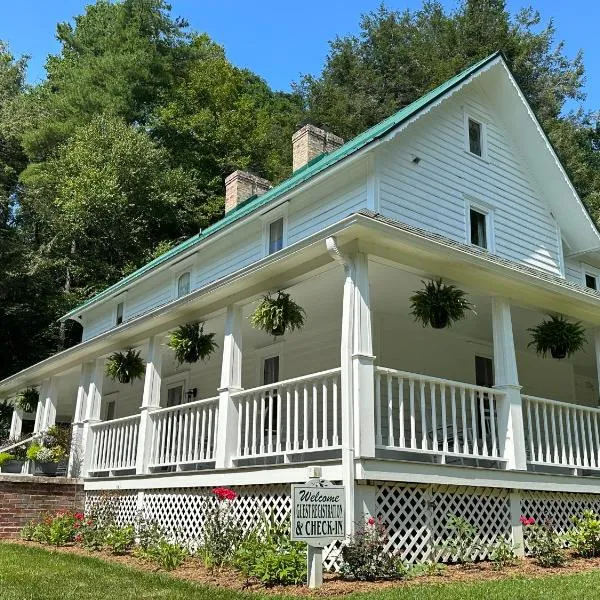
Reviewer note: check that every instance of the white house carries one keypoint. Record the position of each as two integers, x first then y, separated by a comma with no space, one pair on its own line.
417,423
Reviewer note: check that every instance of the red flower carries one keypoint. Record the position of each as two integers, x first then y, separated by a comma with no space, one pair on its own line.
527,520
223,493
78,538
79,516
371,521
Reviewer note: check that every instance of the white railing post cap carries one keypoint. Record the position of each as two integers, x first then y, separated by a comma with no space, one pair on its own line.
314,472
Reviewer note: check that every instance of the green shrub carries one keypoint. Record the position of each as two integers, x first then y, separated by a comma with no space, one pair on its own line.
366,557
222,532
5,457
120,539
270,556
584,537
502,554
544,543
166,554
28,531
463,544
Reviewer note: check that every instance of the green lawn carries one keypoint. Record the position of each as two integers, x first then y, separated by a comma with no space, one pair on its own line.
31,574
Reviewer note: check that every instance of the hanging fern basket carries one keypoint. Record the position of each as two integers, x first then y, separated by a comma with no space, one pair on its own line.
277,314
125,367
27,400
439,305
191,344
557,336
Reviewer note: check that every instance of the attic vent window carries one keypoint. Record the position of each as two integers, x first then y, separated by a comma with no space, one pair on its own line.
183,285
591,281
475,137
276,235
119,318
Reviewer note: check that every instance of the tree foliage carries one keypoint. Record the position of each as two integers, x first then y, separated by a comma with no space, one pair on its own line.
126,142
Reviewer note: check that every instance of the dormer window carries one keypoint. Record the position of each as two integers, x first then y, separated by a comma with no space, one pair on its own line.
183,284
276,235
120,310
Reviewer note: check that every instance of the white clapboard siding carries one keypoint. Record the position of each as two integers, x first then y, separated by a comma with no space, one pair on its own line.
432,195
573,271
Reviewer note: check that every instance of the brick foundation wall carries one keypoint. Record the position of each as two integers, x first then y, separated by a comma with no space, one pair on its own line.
25,498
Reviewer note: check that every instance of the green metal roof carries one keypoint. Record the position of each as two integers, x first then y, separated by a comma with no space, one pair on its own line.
315,166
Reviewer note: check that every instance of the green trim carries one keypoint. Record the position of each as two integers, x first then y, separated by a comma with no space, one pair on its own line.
315,166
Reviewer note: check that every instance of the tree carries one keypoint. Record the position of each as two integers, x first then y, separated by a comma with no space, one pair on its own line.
110,186
220,118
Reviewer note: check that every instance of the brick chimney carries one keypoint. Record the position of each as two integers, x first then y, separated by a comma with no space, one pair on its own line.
240,186
310,141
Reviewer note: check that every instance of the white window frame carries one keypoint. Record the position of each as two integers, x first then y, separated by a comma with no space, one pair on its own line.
280,212
265,352
121,298
106,400
180,274
484,142
483,209
592,271
173,381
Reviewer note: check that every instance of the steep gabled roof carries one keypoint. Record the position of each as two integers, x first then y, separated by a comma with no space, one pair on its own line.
302,175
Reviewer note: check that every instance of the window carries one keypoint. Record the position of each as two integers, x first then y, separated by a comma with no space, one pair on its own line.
270,375
276,235
591,281
120,308
484,377
183,285
110,410
175,395
484,371
478,224
475,132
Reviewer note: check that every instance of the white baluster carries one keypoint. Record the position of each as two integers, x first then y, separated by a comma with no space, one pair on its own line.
434,436
378,434
335,440
324,432
390,411
474,423
401,439
444,422
424,445
463,406
455,447
288,419
315,406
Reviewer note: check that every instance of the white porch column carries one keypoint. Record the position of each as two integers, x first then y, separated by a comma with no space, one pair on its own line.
16,423
75,457
597,353
92,412
40,411
49,418
511,431
363,361
150,402
231,381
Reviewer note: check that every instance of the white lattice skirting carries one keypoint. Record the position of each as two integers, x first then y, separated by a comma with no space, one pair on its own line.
415,515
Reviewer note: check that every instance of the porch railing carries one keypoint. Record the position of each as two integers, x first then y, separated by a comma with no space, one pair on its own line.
561,434
184,434
295,416
114,444
422,414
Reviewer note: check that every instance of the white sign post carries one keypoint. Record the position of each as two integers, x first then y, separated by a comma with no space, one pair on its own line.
318,518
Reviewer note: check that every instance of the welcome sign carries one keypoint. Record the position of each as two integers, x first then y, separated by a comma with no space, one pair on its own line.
318,513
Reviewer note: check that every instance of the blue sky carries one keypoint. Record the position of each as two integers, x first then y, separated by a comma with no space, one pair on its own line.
279,39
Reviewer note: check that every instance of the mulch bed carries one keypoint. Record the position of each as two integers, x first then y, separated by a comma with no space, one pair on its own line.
194,570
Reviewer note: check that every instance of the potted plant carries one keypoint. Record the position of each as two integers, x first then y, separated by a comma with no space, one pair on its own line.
27,400
439,304
13,461
125,367
191,344
558,336
51,450
276,314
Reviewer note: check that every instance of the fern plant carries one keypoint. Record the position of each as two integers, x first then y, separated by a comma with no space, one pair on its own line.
27,400
558,336
125,367
276,314
439,304
191,344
